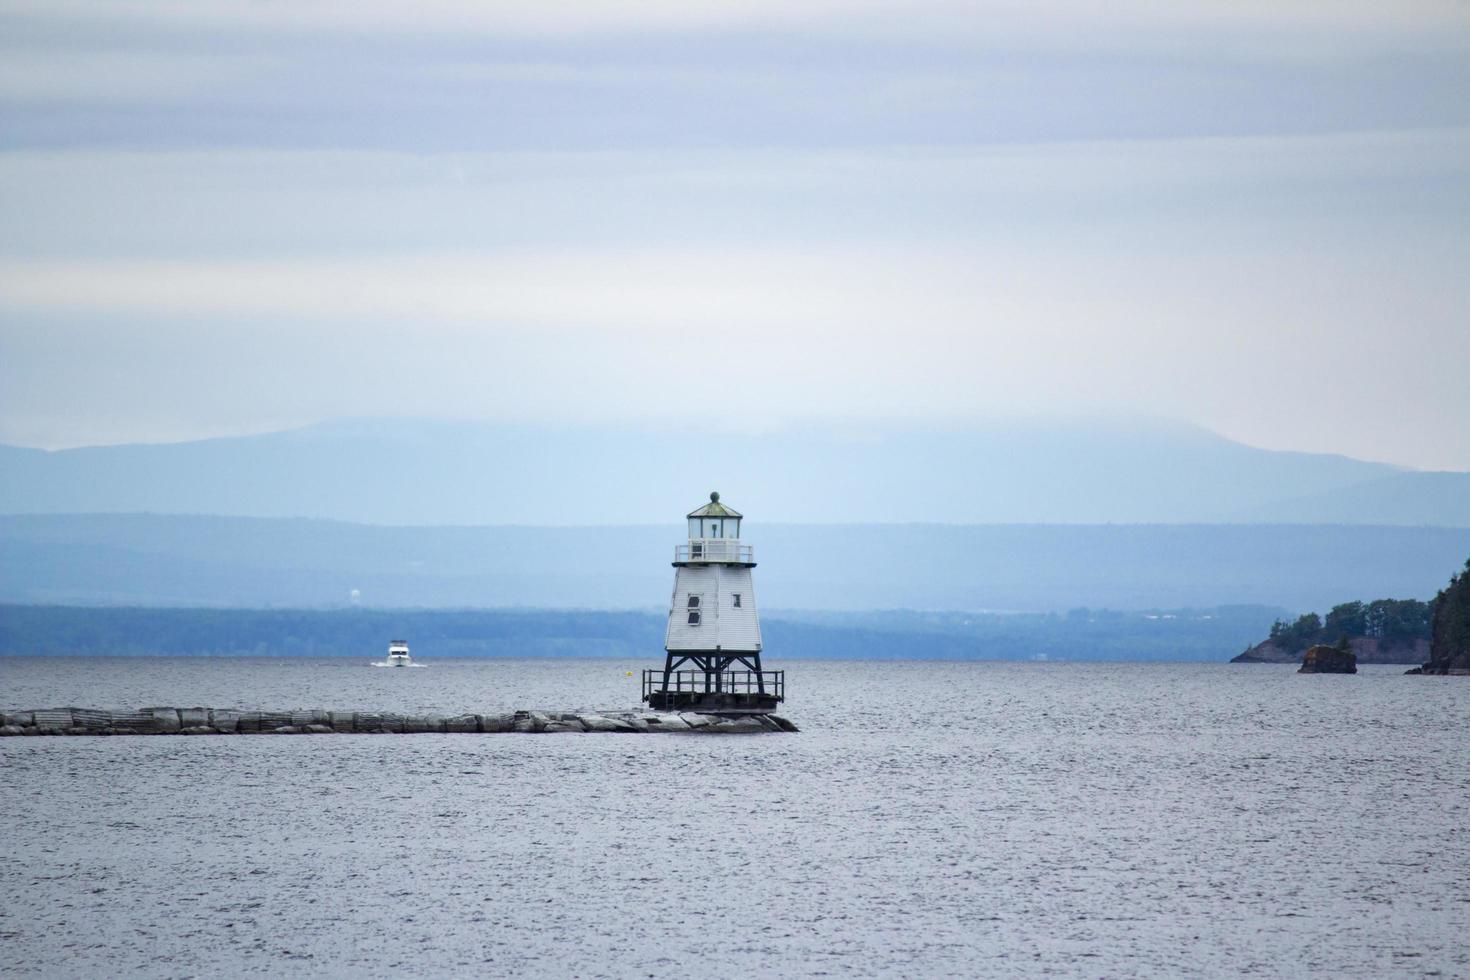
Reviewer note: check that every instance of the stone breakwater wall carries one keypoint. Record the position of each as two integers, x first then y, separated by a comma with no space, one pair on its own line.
223,721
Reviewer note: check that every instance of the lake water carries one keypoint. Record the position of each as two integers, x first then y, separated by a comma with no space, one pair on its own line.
931,819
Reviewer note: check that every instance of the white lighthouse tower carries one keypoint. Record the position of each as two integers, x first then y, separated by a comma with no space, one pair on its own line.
713,624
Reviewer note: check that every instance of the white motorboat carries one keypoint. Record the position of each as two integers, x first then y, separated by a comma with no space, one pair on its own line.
398,654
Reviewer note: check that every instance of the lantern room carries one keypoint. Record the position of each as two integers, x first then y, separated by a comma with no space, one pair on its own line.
714,520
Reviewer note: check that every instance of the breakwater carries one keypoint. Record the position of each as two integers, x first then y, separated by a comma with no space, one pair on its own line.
226,721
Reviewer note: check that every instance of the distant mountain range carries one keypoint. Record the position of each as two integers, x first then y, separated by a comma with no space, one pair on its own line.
158,560
432,473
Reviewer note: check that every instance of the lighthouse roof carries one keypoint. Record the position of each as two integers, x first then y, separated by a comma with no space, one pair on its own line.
714,509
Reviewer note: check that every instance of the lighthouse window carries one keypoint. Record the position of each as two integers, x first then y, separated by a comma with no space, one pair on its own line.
694,602
694,617
736,596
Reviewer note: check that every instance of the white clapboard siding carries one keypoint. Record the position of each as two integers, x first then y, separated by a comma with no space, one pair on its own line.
723,626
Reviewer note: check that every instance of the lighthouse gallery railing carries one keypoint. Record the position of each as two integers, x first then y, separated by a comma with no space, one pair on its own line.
715,549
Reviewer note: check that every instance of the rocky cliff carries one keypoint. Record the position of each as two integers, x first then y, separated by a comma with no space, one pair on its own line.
1367,650
1449,645
1323,659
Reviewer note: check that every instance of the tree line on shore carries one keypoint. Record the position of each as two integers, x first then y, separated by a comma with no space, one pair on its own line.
1393,622
1450,614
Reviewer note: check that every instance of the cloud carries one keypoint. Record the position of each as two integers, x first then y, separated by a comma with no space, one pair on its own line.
1005,319
1251,192
1282,349
932,210
473,77
1284,291
122,76
580,17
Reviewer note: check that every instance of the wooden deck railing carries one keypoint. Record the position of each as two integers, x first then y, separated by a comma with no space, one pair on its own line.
772,682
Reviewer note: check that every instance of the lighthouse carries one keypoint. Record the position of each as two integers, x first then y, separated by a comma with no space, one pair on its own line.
713,640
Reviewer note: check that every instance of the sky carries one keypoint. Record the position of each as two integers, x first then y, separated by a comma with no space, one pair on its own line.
745,216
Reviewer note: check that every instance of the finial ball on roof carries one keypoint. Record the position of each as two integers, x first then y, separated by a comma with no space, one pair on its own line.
714,496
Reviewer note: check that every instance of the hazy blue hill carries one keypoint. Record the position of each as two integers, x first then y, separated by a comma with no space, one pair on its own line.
421,473
173,560
1403,498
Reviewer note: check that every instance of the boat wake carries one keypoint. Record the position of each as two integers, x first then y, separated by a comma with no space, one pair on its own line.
384,663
